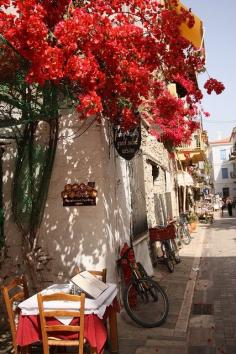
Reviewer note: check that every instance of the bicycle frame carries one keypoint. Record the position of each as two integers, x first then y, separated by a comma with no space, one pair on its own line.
133,267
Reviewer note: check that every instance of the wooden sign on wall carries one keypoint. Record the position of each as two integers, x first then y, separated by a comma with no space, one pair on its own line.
79,194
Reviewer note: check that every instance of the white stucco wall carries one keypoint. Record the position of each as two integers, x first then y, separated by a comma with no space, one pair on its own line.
218,164
87,237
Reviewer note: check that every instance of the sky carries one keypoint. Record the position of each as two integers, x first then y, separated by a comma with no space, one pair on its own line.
220,43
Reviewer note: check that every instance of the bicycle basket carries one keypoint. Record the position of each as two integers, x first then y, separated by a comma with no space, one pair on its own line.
162,234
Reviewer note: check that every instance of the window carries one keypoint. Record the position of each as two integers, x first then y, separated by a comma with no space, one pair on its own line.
223,155
155,173
197,141
225,173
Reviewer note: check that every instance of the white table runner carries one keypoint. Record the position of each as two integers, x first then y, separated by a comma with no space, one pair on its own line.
96,306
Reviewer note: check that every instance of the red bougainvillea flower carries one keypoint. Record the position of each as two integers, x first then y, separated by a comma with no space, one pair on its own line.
5,3
111,57
206,114
9,62
214,85
128,119
90,104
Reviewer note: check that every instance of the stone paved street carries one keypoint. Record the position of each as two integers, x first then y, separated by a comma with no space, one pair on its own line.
202,295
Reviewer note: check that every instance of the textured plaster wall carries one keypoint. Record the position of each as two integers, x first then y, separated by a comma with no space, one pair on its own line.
87,237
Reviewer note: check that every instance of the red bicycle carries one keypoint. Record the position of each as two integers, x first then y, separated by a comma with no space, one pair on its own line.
166,235
145,301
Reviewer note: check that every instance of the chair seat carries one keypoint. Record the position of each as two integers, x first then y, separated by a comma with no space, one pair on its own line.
63,342
60,339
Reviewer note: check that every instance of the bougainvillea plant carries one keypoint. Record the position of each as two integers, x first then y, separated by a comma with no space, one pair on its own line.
110,57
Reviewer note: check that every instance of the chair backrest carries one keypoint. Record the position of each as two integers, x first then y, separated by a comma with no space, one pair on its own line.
98,273
48,329
13,293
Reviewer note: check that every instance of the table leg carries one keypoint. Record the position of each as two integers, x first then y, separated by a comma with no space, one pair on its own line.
113,331
25,350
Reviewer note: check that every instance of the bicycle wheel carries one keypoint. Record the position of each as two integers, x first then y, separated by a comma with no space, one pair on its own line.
146,302
142,270
177,258
179,239
174,251
184,234
170,264
168,255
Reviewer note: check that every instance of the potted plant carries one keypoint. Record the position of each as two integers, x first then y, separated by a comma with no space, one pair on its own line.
192,220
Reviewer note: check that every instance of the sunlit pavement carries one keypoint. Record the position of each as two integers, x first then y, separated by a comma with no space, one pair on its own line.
202,294
215,291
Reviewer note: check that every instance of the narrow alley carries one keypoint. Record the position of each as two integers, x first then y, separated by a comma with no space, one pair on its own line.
117,177
202,296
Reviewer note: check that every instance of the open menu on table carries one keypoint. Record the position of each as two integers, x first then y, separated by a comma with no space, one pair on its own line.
89,284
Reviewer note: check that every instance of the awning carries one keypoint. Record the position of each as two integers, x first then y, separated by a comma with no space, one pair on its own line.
184,179
193,34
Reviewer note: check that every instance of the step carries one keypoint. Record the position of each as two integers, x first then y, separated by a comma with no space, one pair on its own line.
165,343
163,346
158,350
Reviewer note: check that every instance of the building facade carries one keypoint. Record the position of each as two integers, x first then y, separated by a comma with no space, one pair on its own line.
222,168
192,161
132,196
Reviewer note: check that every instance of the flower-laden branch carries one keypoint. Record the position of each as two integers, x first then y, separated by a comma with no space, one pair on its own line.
214,85
103,55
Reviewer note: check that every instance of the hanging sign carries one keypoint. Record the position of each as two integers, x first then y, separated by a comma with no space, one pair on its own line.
127,143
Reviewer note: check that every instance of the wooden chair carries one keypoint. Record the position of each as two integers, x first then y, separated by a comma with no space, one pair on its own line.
13,293
47,329
98,273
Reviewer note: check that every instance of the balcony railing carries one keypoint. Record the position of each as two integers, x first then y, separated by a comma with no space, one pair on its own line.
193,145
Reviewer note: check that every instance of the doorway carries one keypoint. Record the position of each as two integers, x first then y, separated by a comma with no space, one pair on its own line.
225,192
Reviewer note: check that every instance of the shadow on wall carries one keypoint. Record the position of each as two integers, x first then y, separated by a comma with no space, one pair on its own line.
84,236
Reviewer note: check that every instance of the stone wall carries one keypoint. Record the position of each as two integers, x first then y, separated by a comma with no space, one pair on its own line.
155,159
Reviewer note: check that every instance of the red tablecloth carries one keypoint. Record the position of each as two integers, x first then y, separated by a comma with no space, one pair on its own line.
29,332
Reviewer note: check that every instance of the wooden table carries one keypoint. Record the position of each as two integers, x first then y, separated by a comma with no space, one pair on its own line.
96,311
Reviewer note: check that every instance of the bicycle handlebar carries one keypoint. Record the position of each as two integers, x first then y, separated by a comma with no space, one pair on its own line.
125,255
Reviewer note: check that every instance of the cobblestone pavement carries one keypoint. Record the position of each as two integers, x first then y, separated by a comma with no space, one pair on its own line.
202,295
